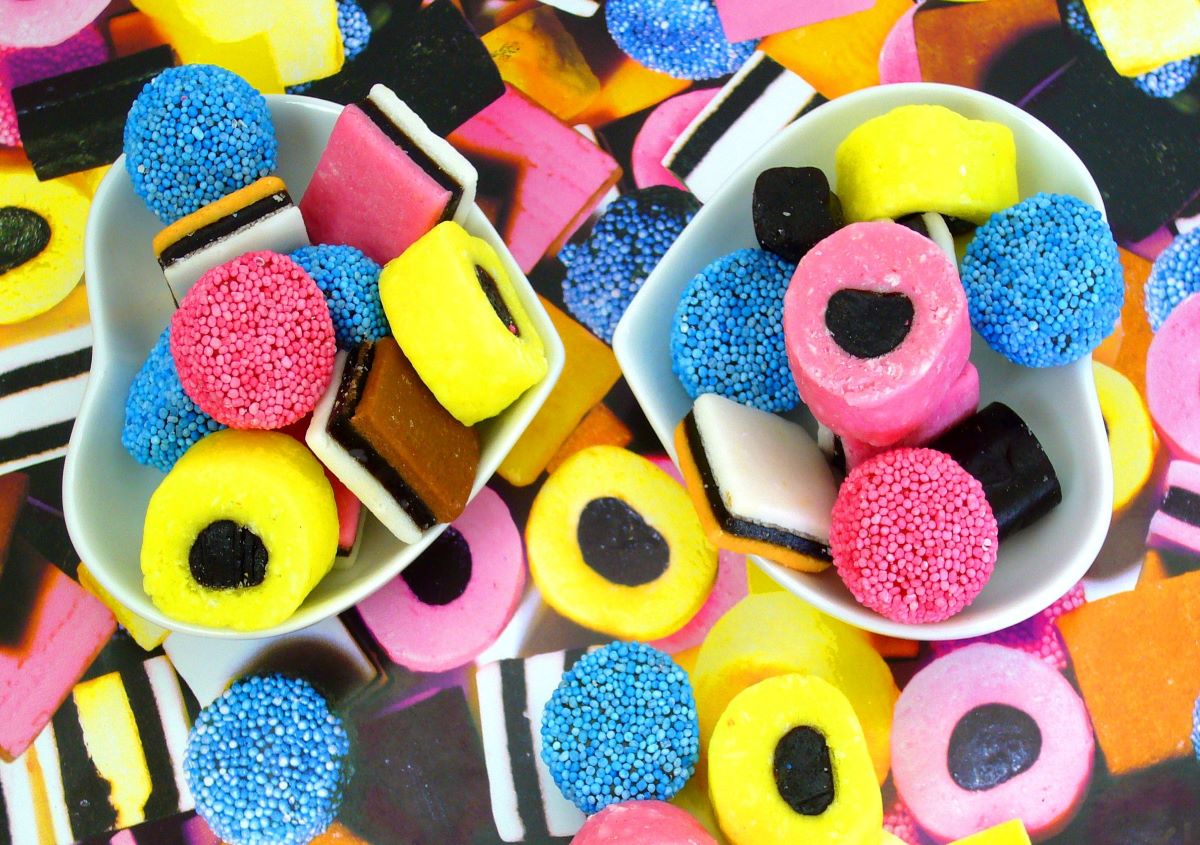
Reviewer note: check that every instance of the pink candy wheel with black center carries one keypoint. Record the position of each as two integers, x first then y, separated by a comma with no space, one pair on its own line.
913,536
253,342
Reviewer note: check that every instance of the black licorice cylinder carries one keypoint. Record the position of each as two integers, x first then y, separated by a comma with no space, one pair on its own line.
997,447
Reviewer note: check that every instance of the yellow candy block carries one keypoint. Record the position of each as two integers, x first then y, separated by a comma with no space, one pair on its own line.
1131,438
589,372
534,53
601,427
1009,833
802,721
69,314
145,633
839,55
456,315
1141,35
775,633
628,88
926,158
270,43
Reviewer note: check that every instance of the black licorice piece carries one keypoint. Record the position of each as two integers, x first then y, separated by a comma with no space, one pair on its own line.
794,210
227,556
492,292
803,771
997,447
76,121
23,235
868,324
442,572
992,744
618,544
434,62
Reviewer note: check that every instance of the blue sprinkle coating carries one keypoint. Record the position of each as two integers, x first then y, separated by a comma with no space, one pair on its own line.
727,336
681,38
355,27
196,133
161,420
606,271
1166,81
350,282
266,762
621,726
1174,277
1044,281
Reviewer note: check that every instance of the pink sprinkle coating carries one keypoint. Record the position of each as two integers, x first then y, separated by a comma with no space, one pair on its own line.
898,821
253,342
1038,635
913,536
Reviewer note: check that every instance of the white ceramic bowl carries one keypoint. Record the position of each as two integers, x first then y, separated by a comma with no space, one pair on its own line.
1036,565
105,491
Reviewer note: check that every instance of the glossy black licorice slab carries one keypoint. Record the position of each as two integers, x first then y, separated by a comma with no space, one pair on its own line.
997,447
76,121
434,62
794,210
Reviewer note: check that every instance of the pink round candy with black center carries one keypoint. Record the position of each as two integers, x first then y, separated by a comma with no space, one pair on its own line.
642,823
913,536
253,342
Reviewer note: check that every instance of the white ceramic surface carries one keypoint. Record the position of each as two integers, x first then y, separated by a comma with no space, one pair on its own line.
1035,566
105,491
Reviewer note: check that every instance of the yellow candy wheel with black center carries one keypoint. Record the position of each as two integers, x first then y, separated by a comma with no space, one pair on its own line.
239,532
615,545
41,242
1131,438
788,763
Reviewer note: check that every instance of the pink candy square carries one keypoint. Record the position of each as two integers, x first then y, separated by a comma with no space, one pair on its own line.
745,19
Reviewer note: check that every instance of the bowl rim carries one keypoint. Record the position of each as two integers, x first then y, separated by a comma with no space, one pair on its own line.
625,345
99,374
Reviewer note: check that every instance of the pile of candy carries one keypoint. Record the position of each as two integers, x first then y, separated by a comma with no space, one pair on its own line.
272,331
854,304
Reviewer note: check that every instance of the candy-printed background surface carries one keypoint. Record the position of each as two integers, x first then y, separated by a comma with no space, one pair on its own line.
96,713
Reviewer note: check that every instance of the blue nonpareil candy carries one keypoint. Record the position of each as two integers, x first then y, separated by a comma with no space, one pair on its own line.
1174,277
350,282
1044,281
161,420
266,762
621,726
606,271
681,38
727,336
195,134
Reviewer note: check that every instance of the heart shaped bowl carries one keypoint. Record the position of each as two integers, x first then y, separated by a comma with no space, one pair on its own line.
105,491
1037,565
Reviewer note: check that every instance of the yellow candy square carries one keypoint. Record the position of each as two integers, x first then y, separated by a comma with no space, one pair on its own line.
1141,35
146,634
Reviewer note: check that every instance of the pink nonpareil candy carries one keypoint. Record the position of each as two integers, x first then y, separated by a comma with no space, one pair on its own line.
43,23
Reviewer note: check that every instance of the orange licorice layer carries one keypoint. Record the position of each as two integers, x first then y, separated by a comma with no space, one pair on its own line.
214,211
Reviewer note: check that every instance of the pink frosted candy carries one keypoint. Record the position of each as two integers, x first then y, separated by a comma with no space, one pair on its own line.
1044,796
961,400
1173,380
1171,527
913,536
642,823
878,400
898,60
366,192
44,23
745,19
21,66
557,175
436,638
658,133
253,342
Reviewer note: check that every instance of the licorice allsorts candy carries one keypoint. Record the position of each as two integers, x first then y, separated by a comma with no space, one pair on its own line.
75,121
350,282
1172,379
239,532
788,762
454,600
997,447
935,227
642,823
257,217
385,179
794,210
1131,440
987,734
384,435
876,328
682,38
1176,523
434,62
759,482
